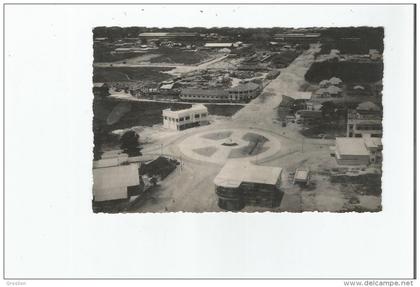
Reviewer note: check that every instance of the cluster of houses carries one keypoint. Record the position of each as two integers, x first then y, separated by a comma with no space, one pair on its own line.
330,88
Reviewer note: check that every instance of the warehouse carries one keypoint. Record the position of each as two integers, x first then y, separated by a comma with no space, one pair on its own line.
179,120
242,183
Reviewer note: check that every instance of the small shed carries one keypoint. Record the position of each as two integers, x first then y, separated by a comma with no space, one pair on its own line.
302,176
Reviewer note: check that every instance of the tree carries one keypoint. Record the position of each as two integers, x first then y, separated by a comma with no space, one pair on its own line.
97,148
130,143
328,109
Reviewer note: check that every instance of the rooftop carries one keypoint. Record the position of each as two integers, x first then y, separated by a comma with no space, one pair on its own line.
302,96
234,172
351,146
167,34
368,106
372,142
297,35
333,90
111,182
218,45
335,81
301,174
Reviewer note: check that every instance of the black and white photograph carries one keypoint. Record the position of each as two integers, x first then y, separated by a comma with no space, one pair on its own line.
237,119
239,144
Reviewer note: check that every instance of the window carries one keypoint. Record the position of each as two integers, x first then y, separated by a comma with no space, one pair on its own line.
177,120
187,118
203,115
196,116
165,117
181,119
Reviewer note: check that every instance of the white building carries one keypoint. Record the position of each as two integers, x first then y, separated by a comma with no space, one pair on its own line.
240,183
351,151
358,151
197,115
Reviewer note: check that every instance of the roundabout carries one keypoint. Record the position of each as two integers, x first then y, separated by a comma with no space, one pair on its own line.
225,144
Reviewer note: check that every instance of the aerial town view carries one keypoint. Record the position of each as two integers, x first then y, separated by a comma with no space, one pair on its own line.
237,119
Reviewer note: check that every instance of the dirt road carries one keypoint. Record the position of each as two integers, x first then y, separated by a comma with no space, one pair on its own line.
262,110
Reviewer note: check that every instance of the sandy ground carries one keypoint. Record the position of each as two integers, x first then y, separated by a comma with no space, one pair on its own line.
190,187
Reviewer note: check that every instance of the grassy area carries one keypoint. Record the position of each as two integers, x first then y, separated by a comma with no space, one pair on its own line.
124,74
206,151
255,146
218,135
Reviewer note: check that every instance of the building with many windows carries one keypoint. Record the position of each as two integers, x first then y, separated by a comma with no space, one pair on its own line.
239,93
204,95
195,116
244,92
242,183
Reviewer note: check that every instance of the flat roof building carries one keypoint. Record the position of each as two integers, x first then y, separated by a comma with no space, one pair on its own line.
351,151
195,116
301,176
112,181
241,183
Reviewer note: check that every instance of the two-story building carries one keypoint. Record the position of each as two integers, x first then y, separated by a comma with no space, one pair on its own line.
179,120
